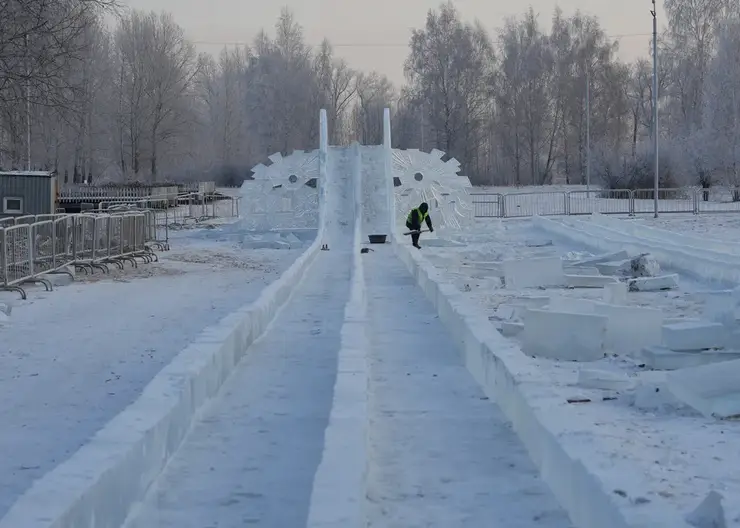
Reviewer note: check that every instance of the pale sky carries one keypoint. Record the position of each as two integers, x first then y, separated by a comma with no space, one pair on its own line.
374,35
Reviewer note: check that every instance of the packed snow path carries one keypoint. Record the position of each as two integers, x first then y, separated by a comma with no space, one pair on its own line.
441,454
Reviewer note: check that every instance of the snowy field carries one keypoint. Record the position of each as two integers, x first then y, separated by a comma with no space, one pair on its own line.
493,241
73,358
655,454
725,227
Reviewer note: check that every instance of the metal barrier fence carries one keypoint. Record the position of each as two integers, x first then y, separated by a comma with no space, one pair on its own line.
34,246
191,209
120,230
81,192
607,201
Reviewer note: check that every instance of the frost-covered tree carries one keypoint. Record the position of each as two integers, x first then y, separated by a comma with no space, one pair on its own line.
689,44
133,100
722,103
157,68
374,93
449,72
337,89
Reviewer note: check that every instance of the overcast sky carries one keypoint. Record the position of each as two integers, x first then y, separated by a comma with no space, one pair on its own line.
374,35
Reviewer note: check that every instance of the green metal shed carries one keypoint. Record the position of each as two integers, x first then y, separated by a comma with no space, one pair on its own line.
27,193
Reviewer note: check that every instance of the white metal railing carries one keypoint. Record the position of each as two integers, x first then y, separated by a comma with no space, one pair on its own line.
33,246
606,201
81,192
119,231
189,209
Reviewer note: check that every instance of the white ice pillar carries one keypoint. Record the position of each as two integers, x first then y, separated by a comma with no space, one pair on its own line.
389,172
357,187
323,132
323,160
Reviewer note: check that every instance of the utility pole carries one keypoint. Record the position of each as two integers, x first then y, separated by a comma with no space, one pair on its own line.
421,126
588,131
28,106
655,109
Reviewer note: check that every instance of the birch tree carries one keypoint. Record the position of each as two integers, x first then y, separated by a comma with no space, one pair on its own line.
449,72
374,93
337,86
722,107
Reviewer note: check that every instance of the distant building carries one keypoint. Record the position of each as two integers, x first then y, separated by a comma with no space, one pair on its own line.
27,193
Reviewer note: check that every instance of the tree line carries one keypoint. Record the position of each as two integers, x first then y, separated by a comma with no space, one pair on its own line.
135,101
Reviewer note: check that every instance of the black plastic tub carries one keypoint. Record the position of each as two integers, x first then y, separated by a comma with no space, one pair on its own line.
377,239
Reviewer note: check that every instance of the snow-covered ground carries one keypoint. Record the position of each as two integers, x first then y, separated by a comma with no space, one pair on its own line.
440,453
724,227
658,458
71,359
493,241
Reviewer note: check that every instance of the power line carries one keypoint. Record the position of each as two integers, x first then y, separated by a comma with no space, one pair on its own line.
382,44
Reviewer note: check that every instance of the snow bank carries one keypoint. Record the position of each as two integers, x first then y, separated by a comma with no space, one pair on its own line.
640,229
500,368
338,494
682,256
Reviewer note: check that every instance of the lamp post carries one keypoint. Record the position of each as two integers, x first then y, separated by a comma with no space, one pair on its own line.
588,130
655,109
587,68
28,105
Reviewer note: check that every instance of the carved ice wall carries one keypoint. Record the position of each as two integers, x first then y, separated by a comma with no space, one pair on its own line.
279,197
426,178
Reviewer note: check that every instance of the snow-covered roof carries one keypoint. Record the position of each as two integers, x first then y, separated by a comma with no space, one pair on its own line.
47,174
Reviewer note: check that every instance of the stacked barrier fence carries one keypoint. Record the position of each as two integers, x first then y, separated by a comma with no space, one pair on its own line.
120,230
191,209
34,246
607,201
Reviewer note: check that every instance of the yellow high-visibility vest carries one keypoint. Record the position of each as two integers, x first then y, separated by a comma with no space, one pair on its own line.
422,216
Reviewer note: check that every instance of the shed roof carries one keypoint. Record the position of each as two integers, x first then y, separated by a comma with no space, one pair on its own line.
43,174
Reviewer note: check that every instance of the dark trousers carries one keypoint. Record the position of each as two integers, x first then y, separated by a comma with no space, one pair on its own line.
414,236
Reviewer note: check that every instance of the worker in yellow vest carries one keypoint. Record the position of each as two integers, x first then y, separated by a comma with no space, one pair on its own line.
414,220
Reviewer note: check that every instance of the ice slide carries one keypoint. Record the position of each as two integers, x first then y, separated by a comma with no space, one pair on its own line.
251,457
438,453
441,454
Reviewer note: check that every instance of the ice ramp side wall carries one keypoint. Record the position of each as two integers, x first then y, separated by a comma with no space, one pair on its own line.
338,494
342,170
388,174
494,363
374,199
323,160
